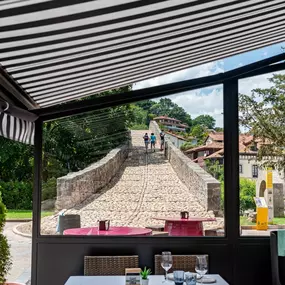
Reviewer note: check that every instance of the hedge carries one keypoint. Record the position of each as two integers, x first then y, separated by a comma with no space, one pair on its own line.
17,195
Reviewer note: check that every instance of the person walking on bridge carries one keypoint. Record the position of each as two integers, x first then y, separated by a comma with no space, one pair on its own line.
152,141
162,140
146,141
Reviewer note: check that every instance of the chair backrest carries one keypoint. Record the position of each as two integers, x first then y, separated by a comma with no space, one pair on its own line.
109,265
180,262
69,222
274,259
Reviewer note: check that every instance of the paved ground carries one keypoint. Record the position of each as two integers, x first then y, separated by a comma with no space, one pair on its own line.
21,255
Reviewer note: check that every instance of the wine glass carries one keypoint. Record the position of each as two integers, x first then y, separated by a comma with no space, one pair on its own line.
201,266
166,262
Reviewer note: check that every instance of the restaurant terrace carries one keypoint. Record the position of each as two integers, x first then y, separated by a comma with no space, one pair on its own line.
53,54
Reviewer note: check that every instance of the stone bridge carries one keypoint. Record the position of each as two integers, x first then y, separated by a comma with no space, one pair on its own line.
156,184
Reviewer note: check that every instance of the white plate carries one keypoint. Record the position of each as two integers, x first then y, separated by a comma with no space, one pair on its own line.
207,280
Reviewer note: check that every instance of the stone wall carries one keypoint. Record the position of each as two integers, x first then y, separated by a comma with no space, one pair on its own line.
203,185
75,187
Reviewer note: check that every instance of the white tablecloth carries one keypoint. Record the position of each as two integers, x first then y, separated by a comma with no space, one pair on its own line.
120,280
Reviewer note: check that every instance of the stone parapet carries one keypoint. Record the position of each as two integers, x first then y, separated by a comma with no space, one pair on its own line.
76,187
199,182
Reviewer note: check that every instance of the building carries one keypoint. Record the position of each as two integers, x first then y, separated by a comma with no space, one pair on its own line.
178,141
171,123
213,150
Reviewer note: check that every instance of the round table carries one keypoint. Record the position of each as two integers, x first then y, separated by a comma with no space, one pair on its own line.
113,231
185,227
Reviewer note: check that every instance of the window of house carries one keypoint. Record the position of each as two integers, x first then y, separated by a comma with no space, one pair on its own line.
254,171
240,168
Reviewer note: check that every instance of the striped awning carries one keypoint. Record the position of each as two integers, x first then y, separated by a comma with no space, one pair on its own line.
64,50
16,129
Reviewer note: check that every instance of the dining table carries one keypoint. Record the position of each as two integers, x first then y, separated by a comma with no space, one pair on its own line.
185,227
112,231
121,280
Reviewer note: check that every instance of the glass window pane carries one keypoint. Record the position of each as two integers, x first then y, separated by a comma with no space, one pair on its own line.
262,142
126,171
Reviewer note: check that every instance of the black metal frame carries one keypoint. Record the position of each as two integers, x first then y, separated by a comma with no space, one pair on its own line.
229,255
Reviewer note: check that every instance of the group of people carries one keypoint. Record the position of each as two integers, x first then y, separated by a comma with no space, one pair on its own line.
152,140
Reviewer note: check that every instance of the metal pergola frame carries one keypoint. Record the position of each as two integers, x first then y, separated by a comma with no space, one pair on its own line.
238,259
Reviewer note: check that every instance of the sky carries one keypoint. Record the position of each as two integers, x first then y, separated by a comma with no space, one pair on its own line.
210,100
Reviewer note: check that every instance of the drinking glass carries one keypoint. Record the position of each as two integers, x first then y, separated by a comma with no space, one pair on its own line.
201,266
190,278
166,262
178,276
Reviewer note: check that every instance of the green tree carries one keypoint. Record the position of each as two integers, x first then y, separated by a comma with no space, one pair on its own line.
205,120
199,132
263,114
166,107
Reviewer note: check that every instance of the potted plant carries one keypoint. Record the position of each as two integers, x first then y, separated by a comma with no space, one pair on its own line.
5,257
144,275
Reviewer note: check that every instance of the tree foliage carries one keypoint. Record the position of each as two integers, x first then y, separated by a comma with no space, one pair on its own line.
205,120
263,113
5,256
199,132
168,108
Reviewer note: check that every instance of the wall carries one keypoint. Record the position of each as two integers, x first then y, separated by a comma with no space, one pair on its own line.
278,192
175,140
247,161
205,187
75,187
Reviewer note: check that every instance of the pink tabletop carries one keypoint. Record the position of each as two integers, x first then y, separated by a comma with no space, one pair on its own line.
189,220
113,231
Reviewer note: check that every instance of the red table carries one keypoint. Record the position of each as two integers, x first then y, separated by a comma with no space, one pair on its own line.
113,231
185,227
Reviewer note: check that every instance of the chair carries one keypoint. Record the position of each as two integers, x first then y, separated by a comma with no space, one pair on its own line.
180,262
109,265
276,261
68,222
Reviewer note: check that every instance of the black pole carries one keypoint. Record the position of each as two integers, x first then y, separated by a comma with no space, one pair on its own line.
231,166
231,160
36,197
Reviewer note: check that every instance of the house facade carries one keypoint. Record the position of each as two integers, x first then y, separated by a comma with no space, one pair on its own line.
213,150
171,123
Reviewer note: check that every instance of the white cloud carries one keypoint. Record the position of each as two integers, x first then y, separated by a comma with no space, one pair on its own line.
190,73
197,102
201,102
261,81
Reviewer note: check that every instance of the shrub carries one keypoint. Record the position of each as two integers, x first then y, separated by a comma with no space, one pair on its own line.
138,127
5,257
17,195
49,189
247,193
186,146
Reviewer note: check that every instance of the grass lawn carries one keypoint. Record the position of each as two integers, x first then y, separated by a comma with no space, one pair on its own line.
276,221
24,214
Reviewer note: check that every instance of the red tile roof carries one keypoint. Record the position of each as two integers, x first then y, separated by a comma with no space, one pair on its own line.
167,118
213,145
216,136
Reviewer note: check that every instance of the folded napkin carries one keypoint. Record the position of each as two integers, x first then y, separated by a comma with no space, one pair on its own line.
281,242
